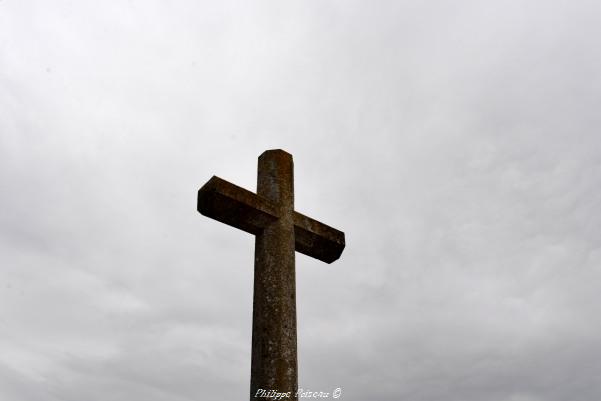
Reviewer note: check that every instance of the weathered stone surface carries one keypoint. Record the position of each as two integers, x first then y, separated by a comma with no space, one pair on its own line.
274,362
236,206
316,239
280,231
240,208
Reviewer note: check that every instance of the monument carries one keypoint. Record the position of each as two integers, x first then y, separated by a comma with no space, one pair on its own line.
279,231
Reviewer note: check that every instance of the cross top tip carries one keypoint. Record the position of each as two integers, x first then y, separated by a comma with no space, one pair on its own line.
274,152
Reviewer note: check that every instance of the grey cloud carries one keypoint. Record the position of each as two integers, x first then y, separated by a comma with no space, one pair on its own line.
455,143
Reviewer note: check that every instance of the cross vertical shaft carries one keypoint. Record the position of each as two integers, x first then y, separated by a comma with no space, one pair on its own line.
274,359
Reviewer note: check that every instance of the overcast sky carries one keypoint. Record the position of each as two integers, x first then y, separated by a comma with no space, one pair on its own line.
456,143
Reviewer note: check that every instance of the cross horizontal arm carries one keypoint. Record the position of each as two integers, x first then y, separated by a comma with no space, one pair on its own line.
235,206
316,239
247,211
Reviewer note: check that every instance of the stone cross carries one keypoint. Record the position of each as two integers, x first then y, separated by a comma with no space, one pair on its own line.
279,231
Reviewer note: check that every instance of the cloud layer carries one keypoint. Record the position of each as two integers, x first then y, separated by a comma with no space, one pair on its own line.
455,143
